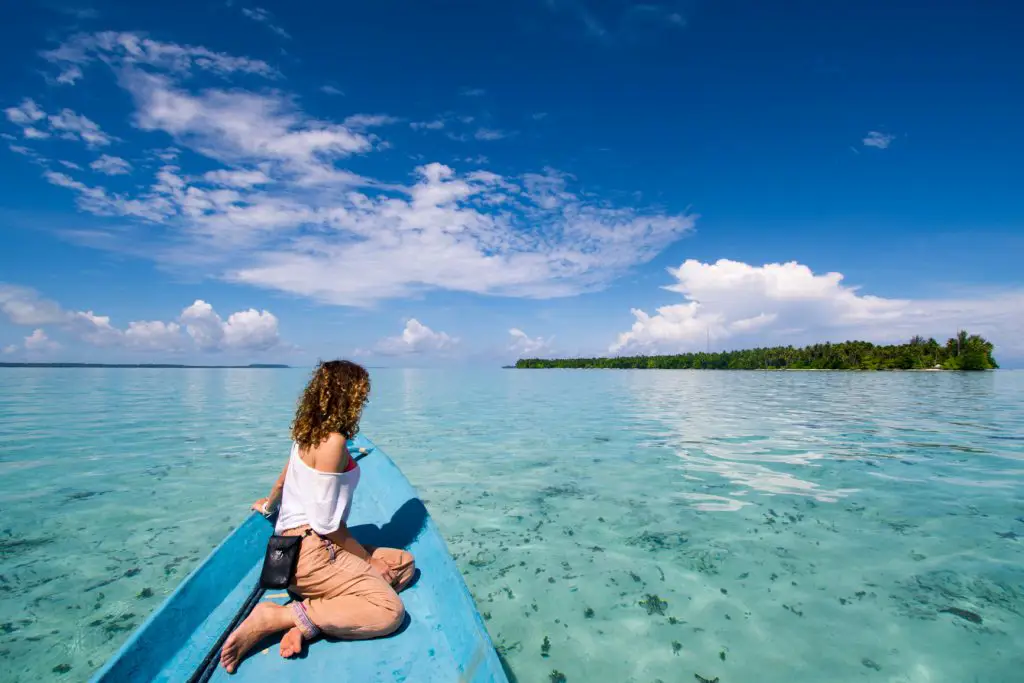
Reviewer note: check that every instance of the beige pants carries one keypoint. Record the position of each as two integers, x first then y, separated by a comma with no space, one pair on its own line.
342,595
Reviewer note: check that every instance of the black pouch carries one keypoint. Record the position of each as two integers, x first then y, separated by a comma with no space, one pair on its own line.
280,561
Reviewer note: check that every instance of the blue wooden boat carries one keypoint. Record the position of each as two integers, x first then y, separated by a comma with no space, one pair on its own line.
442,639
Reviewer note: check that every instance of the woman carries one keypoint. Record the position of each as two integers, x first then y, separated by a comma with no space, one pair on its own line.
348,591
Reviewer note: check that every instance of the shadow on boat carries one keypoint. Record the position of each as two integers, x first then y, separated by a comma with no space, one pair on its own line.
405,526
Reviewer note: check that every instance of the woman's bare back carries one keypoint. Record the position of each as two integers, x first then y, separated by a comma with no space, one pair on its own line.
330,455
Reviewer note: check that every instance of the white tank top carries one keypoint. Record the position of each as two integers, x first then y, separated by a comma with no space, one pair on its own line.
320,499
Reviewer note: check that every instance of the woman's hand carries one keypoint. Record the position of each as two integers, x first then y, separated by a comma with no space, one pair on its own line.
262,506
383,568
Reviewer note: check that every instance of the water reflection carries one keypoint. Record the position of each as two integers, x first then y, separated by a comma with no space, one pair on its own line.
749,508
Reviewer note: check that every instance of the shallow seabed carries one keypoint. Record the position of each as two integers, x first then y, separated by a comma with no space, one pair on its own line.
613,526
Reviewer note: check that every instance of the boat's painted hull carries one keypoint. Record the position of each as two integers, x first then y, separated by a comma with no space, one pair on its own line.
442,639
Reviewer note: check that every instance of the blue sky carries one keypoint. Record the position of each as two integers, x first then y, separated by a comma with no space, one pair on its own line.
413,184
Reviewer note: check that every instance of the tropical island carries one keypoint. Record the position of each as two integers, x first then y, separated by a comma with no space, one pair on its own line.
963,352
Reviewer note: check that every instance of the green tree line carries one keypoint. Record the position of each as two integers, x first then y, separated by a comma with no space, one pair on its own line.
963,352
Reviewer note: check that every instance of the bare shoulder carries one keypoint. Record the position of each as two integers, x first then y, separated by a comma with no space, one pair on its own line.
331,455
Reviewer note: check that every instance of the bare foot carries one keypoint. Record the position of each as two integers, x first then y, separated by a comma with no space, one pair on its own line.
291,644
268,618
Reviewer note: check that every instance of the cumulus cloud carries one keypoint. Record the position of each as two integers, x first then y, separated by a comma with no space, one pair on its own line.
262,16
154,335
198,326
110,165
878,140
249,330
416,338
39,342
736,304
525,346
24,306
331,90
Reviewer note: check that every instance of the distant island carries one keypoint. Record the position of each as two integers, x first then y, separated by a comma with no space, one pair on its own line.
963,352
139,365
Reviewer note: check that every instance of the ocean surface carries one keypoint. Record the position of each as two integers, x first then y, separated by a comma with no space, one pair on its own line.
624,526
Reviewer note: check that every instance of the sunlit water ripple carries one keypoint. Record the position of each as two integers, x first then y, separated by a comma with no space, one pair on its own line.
651,525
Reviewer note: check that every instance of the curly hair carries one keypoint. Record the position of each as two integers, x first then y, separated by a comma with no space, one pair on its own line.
332,401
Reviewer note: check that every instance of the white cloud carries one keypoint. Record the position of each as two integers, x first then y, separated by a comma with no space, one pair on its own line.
70,75
67,124
26,113
265,199
70,164
488,134
239,178
34,133
237,127
436,124
446,235
32,155
331,90
738,305
153,206
539,116
416,338
879,140
203,325
39,342
525,346
364,121
154,335
473,92
111,165
95,329
167,155
120,49
11,348
24,306
258,14
248,330
77,127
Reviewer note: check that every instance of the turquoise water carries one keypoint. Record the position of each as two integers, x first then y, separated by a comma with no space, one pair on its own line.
649,525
